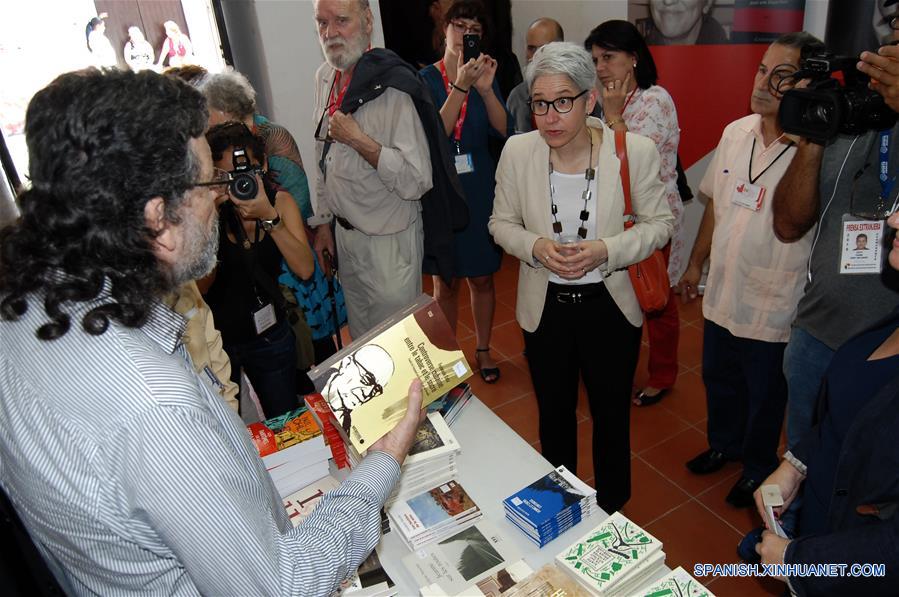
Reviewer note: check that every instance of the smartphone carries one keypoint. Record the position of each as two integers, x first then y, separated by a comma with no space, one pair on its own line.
471,47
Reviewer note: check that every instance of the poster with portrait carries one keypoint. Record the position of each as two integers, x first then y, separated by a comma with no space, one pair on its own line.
707,53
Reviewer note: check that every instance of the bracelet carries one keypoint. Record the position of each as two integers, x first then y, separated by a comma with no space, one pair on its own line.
459,89
611,123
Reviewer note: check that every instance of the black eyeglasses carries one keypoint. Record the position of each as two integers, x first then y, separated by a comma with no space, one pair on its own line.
894,23
562,105
220,178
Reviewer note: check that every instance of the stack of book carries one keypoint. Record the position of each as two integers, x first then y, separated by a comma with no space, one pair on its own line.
366,385
433,515
319,409
550,505
431,460
615,558
451,404
292,449
676,583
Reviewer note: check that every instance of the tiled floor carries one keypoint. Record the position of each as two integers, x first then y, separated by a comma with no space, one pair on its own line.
686,512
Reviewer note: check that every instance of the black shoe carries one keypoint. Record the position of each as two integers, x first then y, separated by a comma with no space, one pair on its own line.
708,462
740,495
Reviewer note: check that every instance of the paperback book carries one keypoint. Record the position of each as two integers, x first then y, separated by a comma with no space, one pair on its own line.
611,554
366,384
451,404
433,514
549,581
497,583
677,583
550,505
282,439
461,560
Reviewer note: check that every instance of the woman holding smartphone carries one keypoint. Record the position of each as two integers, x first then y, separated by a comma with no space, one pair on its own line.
471,110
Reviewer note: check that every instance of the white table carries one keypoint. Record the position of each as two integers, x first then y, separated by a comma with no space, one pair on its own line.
495,463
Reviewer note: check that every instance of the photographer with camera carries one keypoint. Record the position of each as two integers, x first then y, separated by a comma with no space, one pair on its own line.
260,225
842,180
754,281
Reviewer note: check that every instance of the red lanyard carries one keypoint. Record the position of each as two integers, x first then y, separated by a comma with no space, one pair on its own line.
457,133
334,103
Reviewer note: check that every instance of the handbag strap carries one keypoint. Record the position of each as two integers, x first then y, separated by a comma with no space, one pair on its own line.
621,150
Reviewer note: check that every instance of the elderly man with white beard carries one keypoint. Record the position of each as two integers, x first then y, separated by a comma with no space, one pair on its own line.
374,166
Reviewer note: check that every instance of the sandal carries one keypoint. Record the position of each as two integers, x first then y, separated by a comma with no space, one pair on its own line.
641,399
488,374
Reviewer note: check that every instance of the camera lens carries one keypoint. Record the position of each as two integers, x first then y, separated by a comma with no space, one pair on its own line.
244,186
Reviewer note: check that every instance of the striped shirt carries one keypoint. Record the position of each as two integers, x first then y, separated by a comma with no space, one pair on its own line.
134,477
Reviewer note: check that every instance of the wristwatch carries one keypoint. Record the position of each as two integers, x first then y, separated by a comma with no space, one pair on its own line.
269,225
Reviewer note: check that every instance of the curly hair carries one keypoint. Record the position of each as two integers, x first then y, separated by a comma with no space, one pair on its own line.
101,144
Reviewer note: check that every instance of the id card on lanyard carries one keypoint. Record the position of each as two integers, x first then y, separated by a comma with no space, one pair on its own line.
463,161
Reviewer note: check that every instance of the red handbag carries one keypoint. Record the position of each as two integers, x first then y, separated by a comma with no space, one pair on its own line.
650,276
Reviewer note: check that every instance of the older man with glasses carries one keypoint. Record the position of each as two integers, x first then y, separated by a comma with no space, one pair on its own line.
375,163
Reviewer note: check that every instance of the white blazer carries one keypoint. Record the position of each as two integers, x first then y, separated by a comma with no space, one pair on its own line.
521,215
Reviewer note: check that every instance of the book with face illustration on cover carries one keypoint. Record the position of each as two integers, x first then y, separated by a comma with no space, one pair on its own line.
366,385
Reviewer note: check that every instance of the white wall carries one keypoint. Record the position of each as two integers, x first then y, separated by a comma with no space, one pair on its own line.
274,43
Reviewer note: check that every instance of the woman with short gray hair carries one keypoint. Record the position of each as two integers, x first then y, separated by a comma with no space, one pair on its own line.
559,209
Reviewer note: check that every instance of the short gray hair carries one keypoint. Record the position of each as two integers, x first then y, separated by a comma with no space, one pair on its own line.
230,92
562,58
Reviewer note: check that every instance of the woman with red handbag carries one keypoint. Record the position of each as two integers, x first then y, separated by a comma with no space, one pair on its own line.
560,208
631,101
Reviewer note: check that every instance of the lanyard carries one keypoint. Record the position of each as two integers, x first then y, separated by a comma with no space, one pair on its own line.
751,179
334,102
886,183
457,131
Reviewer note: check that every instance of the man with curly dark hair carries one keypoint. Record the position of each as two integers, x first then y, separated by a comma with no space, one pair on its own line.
128,471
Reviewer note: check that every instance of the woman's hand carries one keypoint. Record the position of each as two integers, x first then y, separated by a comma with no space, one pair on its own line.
484,83
582,257
550,254
614,95
258,208
468,73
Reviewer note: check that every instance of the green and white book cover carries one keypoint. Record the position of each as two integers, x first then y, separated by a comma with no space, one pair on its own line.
609,553
678,583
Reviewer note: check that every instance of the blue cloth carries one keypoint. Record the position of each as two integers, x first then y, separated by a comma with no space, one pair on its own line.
852,381
312,296
284,162
853,464
805,361
270,362
475,253
133,476
746,394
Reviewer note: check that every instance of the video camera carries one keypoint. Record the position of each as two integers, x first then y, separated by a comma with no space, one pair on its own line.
826,108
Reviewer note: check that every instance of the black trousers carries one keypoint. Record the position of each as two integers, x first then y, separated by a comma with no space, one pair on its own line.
590,338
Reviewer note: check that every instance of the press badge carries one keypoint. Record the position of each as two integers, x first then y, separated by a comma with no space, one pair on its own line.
748,195
464,163
860,252
264,318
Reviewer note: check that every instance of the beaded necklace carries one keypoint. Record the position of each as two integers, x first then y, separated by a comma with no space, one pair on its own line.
589,175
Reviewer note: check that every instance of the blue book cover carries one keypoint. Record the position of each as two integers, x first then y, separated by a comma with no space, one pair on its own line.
542,501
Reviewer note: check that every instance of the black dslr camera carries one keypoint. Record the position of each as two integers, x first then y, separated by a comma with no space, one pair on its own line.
243,184
826,108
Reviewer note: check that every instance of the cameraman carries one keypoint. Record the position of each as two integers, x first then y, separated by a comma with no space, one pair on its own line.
244,295
824,185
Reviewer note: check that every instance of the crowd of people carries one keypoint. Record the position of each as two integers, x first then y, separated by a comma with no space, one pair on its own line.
167,244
